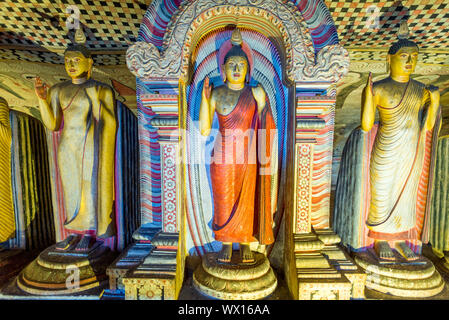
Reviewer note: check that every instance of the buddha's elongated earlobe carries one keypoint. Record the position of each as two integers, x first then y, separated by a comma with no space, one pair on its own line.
223,73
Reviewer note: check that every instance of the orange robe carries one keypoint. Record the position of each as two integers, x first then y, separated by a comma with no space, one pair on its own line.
242,196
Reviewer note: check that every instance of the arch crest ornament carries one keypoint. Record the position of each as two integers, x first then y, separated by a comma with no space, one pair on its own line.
193,19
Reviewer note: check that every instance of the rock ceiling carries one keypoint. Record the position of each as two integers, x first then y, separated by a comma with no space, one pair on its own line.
33,29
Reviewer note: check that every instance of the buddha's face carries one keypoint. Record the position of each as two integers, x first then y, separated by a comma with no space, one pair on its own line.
236,69
77,65
404,61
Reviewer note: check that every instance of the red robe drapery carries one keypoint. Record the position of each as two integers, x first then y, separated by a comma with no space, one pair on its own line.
241,173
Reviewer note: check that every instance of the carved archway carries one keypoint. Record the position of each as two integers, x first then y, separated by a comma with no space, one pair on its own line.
313,63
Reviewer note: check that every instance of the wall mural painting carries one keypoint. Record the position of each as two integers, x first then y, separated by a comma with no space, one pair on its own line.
16,83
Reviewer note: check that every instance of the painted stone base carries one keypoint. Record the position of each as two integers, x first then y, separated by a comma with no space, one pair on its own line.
417,279
324,270
160,271
141,287
324,289
56,273
129,259
342,262
235,281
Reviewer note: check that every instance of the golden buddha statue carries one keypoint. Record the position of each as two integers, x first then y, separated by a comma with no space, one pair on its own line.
381,208
398,150
241,192
84,111
382,187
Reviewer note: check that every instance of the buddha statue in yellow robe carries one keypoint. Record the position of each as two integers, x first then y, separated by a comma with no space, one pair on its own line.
395,181
83,110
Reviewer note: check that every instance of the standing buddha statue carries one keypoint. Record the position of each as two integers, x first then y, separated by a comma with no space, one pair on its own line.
241,174
398,151
241,183
83,110
389,207
382,196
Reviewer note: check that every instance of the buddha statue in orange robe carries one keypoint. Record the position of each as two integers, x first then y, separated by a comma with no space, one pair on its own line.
241,165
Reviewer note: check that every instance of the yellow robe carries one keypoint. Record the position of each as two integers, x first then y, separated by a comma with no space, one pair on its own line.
396,166
78,158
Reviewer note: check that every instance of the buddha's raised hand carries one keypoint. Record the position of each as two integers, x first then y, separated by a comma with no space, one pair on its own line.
207,89
368,106
40,88
369,86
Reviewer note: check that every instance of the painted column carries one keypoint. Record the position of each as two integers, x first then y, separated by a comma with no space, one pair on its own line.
314,129
162,106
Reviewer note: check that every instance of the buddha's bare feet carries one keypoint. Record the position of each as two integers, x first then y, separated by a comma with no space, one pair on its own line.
383,250
246,254
226,253
85,244
405,251
67,242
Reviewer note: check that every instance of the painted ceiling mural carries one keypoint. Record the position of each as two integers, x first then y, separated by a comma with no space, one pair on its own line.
35,32
113,24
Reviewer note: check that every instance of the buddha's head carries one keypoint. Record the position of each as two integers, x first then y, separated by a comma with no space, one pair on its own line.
78,61
402,57
236,61
403,54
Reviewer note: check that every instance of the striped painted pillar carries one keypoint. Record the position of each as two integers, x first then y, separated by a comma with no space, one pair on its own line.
314,128
159,111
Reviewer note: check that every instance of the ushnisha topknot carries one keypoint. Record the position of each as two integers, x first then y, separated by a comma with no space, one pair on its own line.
403,40
236,37
80,40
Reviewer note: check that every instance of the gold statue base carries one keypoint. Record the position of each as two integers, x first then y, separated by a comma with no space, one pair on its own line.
407,279
235,281
56,272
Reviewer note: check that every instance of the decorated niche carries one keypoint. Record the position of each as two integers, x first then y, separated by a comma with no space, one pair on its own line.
297,59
